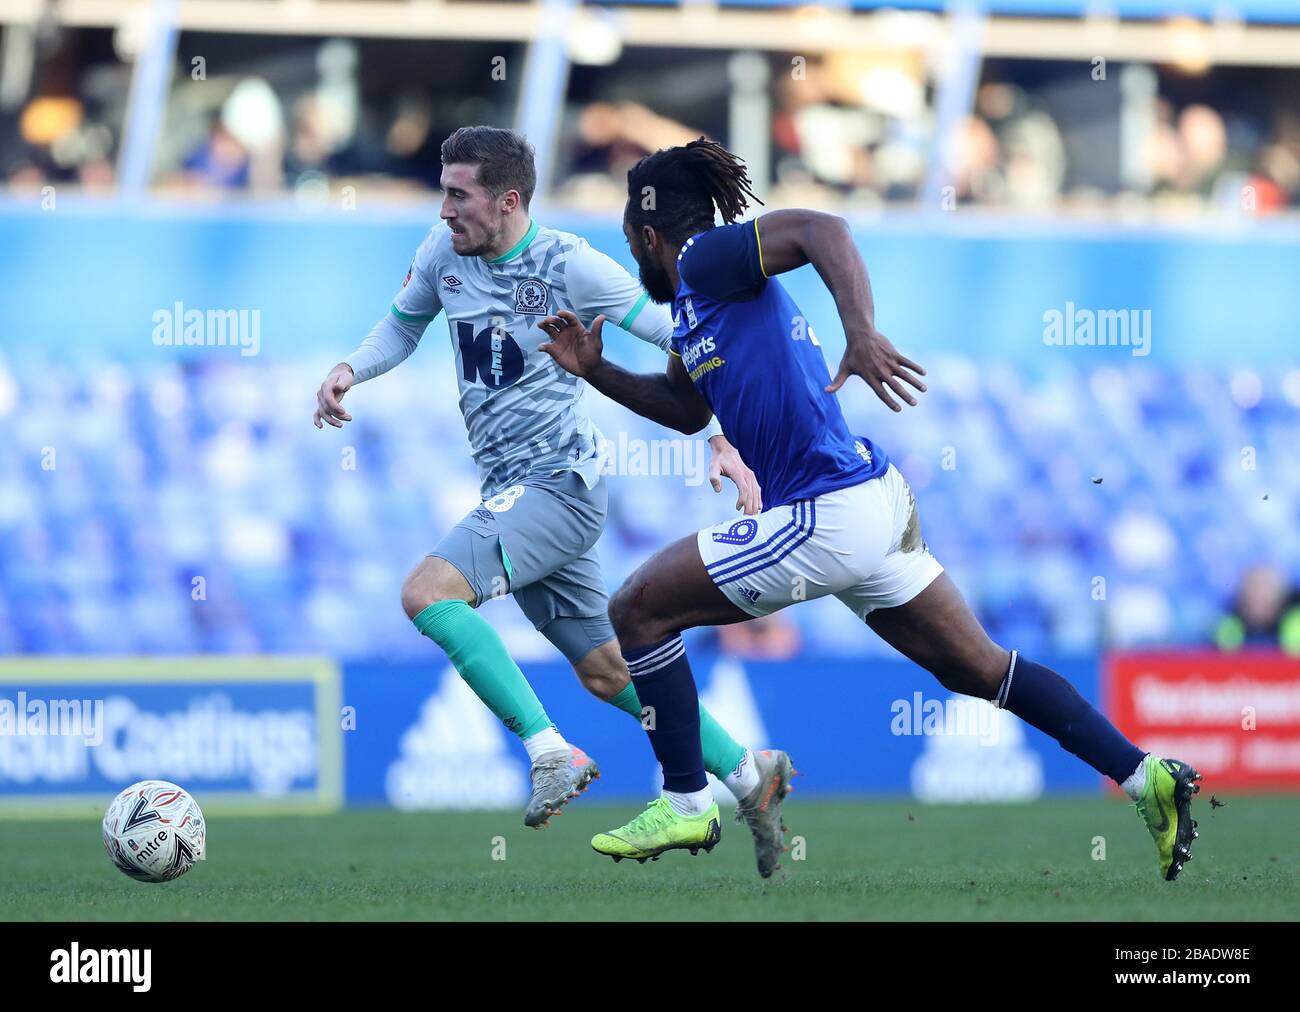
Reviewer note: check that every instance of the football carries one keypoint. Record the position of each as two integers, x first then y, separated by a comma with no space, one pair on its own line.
154,831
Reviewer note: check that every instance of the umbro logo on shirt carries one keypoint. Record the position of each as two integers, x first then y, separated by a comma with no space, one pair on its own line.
452,283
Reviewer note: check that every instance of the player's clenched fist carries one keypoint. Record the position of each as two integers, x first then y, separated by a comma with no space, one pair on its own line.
577,349
328,398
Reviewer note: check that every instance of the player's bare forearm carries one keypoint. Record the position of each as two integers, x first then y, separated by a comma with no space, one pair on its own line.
792,238
796,237
669,399
656,396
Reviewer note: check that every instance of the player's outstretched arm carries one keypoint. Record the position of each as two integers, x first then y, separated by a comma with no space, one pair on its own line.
598,286
669,399
388,345
392,340
792,238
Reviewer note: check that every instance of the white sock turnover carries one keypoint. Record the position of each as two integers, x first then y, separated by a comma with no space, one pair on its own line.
548,739
1136,782
690,803
744,778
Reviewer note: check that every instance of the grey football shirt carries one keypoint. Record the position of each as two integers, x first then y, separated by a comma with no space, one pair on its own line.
524,414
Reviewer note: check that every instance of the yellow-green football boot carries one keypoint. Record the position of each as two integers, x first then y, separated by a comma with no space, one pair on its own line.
1166,807
659,828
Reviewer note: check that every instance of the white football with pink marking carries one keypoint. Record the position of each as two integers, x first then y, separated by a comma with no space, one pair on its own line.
154,831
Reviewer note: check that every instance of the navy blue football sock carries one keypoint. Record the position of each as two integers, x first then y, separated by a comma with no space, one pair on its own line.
1041,697
671,711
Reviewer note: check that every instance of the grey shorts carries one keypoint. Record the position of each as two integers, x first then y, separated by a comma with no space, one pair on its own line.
537,541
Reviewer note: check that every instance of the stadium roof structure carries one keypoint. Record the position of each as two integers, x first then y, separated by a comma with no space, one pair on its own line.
1230,32
957,34
1262,11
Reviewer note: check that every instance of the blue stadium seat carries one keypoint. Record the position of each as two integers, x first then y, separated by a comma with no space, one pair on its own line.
196,509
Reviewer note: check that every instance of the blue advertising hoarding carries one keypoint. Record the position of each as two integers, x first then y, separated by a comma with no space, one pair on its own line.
422,740
297,735
241,734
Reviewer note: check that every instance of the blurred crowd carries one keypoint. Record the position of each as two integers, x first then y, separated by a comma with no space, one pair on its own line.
193,507
846,130
62,104
1012,152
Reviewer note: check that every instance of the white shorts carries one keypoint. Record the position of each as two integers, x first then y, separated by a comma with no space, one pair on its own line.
863,544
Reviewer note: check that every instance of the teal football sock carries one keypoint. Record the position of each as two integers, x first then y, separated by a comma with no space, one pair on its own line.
721,752
478,654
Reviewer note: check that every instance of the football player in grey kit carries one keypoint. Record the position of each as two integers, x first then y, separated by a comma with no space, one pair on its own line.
496,273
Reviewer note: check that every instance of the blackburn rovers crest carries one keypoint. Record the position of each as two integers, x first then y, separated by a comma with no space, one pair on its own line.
530,297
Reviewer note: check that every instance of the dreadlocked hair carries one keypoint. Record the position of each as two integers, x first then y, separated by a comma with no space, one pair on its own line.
676,189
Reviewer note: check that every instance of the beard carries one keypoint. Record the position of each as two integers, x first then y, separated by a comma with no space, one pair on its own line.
655,280
485,245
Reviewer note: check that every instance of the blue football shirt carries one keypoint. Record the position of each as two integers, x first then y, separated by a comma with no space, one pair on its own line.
753,356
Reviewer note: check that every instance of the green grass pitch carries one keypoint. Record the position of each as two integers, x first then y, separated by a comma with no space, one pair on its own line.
882,859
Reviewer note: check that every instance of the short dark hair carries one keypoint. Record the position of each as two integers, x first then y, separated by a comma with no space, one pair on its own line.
504,159
687,183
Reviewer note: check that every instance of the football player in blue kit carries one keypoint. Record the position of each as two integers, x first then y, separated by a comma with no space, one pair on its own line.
839,518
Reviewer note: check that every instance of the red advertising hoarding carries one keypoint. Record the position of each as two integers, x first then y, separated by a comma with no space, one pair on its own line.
1235,717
